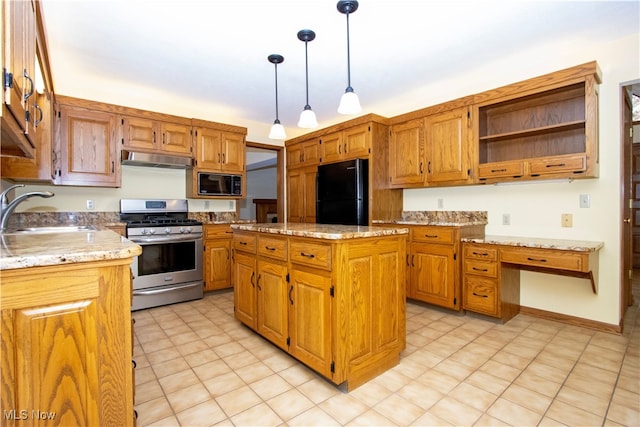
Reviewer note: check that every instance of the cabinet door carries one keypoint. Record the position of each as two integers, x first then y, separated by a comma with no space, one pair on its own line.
332,148
176,138
406,153
302,195
295,195
20,57
232,152
217,266
140,133
357,142
208,155
310,320
244,288
88,148
433,274
272,301
447,146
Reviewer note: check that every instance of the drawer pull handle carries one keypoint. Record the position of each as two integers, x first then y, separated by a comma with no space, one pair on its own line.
253,285
481,296
481,253
307,255
290,291
498,170
244,243
258,282
431,236
559,165
537,260
229,232
479,269
270,248
133,363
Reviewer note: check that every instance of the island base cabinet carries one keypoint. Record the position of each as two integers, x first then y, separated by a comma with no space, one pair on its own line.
343,301
67,346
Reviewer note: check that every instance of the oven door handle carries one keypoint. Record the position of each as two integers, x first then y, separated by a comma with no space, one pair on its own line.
163,290
164,239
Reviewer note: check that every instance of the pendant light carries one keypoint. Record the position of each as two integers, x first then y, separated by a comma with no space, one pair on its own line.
277,130
349,103
307,117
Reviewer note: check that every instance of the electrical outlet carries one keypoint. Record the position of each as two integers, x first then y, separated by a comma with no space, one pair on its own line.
440,203
585,200
506,219
206,204
89,204
567,220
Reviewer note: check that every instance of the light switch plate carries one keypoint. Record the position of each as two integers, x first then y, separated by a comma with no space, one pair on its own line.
585,200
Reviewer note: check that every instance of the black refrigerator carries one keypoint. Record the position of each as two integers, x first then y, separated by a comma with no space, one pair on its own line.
342,193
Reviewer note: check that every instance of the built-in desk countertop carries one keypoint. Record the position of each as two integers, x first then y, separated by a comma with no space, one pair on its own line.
492,264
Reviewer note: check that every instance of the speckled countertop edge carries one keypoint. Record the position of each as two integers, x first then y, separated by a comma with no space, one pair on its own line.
321,231
542,243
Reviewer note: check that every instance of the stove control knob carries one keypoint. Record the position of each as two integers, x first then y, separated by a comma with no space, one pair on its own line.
167,230
185,230
145,231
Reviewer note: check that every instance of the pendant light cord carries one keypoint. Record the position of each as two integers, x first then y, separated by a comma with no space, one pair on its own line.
306,73
348,56
277,117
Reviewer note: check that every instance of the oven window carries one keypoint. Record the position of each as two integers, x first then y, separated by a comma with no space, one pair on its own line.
166,258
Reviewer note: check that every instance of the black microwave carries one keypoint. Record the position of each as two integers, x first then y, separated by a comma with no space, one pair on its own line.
217,184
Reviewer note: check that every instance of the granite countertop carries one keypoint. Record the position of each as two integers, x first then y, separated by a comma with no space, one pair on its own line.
440,218
42,249
321,231
542,243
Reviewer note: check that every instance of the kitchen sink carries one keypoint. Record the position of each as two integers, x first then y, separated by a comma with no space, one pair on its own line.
51,229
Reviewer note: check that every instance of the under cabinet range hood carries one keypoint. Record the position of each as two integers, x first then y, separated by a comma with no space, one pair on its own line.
155,160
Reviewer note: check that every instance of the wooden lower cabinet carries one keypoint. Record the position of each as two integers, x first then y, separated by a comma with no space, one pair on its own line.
67,345
217,256
338,306
434,263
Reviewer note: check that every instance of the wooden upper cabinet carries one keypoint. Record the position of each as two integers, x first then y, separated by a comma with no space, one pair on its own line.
406,153
545,127
156,136
219,151
349,144
19,107
447,142
301,190
86,151
305,153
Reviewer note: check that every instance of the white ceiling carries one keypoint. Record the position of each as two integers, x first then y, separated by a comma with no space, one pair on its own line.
211,55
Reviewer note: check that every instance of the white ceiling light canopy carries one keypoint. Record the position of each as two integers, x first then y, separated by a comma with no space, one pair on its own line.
349,103
277,130
307,117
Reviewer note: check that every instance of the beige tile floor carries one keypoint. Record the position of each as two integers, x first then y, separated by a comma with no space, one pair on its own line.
197,366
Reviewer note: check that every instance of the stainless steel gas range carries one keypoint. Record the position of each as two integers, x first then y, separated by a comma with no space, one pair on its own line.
169,270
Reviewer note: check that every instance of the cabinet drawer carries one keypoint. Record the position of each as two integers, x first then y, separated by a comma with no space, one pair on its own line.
500,170
562,260
217,231
485,268
481,295
272,247
557,165
244,242
432,234
488,253
312,254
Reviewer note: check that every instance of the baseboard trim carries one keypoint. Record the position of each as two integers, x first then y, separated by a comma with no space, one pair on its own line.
572,320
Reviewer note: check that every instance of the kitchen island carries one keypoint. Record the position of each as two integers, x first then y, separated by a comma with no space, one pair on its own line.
332,296
66,347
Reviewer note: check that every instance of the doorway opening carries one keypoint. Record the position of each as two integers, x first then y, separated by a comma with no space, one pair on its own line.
263,201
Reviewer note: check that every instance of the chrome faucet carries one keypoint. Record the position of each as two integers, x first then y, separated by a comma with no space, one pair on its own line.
7,208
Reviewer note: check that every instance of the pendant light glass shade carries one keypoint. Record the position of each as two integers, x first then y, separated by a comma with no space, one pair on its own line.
349,103
277,130
307,117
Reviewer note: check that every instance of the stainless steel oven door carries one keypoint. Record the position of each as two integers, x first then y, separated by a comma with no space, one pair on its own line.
168,270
